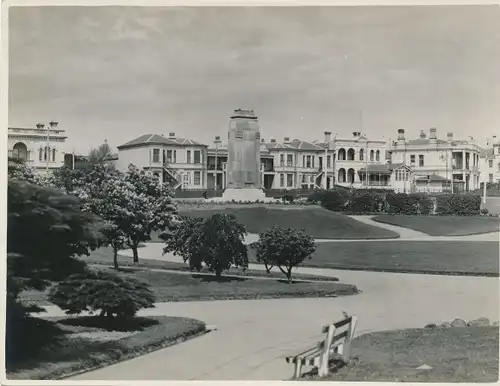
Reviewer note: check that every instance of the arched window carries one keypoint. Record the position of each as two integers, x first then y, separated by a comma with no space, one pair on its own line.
372,153
341,175
377,156
350,176
40,154
350,155
20,151
341,156
53,154
45,153
361,154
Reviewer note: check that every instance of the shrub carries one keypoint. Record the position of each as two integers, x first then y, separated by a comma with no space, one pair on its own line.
115,297
484,211
361,202
283,248
408,204
334,200
458,204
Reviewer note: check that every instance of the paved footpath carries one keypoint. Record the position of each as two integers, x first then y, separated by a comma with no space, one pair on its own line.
254,336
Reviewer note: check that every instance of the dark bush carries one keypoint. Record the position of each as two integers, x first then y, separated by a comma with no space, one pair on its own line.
114,296
334,200
365,202
408,204
458,204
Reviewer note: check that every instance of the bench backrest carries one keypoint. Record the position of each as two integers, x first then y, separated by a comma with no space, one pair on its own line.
340,333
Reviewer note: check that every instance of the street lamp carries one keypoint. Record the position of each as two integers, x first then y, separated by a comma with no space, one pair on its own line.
217,142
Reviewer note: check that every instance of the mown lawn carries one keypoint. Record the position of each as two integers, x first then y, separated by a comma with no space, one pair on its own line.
317,222
477,258
56,347
454,355
444,225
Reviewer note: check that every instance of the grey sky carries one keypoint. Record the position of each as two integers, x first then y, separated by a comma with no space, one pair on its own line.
118,72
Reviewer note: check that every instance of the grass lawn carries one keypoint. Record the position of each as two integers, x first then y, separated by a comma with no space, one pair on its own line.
444,225
173,287
476,258
103,256
57,347
455,355
317,222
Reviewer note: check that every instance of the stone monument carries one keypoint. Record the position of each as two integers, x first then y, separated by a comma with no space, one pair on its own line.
243,159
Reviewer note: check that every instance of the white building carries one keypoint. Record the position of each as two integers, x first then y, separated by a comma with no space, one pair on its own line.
435,161
490,161
40,147
177,161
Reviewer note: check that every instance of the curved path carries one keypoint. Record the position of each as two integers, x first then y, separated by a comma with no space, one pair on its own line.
254,336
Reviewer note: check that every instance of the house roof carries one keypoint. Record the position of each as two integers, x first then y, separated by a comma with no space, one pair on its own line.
380,168
156,139
295,144
433,178
486,153
425,141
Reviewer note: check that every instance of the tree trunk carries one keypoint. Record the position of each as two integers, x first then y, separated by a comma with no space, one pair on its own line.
218,273
136,253
115,257
289,275
268,267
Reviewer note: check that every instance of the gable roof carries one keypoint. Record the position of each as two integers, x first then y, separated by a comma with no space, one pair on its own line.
296,144
432,178
380,168
156,139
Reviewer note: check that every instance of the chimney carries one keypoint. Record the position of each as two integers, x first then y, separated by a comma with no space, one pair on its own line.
273,140
356,134
422,134
286,139
449,136
401,136
171,135
432,135
328,136
53,124
262,140
40,125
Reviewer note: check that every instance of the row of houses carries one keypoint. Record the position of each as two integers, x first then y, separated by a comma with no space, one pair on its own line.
426,163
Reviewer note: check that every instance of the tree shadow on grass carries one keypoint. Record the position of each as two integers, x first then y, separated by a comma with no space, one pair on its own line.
222,279
133,324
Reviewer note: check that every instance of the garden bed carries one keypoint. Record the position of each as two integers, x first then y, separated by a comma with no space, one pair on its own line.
444,225
453,355
54,348
317,222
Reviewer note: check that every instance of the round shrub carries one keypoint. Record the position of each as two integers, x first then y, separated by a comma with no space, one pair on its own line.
112,295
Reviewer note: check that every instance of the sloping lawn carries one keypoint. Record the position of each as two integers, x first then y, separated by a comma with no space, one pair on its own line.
444,225
317,222
476,258
174,287
455,355
55,347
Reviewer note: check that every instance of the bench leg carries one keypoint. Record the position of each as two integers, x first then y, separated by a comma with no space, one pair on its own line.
298,369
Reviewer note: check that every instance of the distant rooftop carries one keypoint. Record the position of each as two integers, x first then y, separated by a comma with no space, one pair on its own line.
156,139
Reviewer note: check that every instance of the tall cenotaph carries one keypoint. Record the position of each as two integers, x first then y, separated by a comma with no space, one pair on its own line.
243,159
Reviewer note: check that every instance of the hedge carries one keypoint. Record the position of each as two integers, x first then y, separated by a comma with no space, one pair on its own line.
409,204
458,205
365,202
334,200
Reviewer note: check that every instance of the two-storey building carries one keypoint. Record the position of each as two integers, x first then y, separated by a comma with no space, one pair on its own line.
40,147
490,161
438,164
178,161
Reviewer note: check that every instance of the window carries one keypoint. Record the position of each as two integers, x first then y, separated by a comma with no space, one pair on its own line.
282,160
372,154
361,154
328,161
282,180
499,166
498,152
289,160
197,157
308,161
197,178
289,180
169,157
311,178
45,155
490,163
377,156
188,157
40,154
303,160
490,177
304,178
313,160
412,160
53,154
156,155
421,160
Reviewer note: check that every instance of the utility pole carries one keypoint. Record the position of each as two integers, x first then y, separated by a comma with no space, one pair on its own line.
216,142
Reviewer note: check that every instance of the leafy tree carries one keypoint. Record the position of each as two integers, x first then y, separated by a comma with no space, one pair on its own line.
152,205
117,298
284,248
101,156
216,242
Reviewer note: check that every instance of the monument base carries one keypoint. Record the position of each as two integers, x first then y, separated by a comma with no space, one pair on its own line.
243,195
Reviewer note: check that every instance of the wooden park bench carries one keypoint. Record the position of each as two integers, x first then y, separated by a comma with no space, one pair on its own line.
337,343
